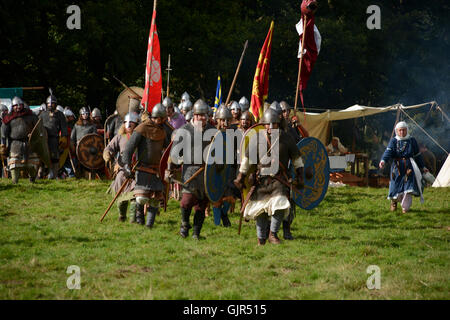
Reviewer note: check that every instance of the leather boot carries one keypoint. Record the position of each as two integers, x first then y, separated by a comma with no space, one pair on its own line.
199,217
225,220
273,238
133,211
151,215
184,228
261,242
287,235
140,218
393,205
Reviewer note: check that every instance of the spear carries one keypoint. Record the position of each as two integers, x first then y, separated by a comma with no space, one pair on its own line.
300,63
126,87
168,76
236,73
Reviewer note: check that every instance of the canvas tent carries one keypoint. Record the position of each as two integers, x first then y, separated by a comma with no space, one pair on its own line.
443,178
318,124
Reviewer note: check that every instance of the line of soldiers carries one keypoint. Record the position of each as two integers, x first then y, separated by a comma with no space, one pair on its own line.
142,140
61,131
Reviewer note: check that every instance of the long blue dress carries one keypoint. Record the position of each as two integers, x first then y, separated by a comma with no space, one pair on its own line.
401,152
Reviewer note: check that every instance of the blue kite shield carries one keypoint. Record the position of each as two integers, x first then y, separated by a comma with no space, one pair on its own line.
315,160
216,175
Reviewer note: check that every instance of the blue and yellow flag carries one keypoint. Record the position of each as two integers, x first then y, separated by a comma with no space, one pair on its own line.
218,99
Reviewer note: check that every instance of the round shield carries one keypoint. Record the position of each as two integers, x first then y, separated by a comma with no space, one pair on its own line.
90,151
217,175
245,142
123,100
316,164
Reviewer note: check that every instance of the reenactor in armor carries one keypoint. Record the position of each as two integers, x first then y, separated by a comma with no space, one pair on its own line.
114,153
96,117
193,193
220,208
245,104
70,119
236,112
185,97
112,126
269,202
81,128
149,139
175,119
186,106
56,125
15,130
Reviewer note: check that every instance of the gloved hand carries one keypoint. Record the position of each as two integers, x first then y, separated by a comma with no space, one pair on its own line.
239,181
63,142
3,150
298,182
127,171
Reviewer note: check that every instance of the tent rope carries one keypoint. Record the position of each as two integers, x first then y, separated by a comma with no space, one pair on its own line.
423,131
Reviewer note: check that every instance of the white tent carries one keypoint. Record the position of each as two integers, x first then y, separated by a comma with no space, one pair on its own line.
317,124
443,178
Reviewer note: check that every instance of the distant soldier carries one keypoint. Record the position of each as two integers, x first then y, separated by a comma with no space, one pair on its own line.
245,104
113,124
116,149
3,165
236,112
82,127
96,116
269,203
175,119
149,140
15,132
56,125
185,106
246,121
193,194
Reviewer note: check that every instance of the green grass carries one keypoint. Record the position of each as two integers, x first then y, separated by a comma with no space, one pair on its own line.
48,226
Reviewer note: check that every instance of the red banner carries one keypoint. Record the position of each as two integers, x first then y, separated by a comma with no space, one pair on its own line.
260,88
153,78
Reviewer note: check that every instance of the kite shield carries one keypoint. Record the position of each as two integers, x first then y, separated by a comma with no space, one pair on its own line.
316,164
38,143
216,175
90,151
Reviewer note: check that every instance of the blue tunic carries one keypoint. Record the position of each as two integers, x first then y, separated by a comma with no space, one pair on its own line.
400,152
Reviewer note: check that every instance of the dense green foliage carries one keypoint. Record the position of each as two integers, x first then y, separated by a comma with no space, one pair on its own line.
406,61
48,226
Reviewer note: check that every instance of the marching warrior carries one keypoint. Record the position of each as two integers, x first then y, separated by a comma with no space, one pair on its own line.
96,117
220,208
149,141
406,169
269,202
193,193
16,128
115,149
55,123
244,103
82,127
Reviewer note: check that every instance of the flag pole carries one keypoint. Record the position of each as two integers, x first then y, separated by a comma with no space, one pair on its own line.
236,73
300,64
168,76
151,52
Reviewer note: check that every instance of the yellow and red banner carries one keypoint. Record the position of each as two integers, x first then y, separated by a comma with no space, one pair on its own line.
260,89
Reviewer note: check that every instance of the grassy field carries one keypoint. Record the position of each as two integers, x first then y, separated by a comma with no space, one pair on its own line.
48,226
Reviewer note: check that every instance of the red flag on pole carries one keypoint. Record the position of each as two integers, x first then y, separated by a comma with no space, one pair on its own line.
260,88
311,47
153,79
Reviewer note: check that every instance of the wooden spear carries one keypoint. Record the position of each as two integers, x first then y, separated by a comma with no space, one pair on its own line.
126,87
236,73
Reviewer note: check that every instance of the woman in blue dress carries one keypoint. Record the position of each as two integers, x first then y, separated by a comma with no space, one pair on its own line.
406,169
